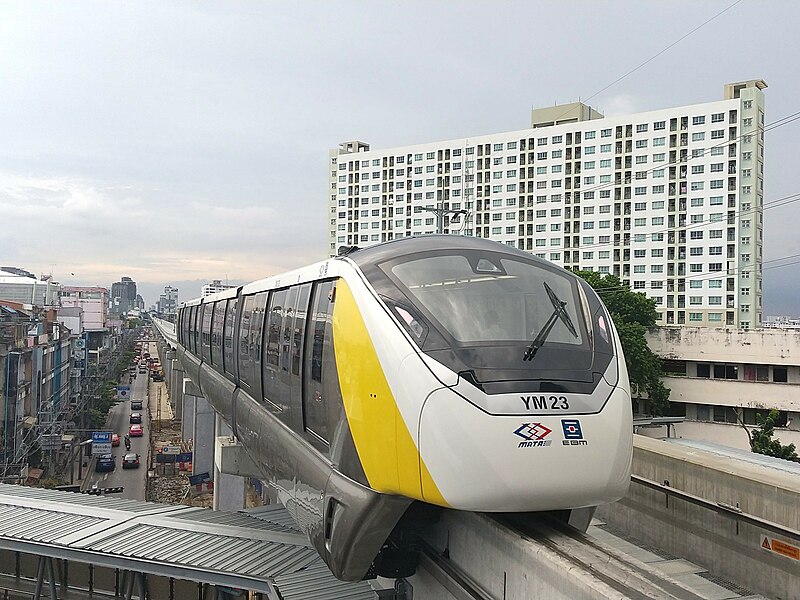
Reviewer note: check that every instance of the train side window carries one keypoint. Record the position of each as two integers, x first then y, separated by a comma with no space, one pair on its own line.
206,331
245,358
301,310
190,328
276,393
196,329
288,330
217,324
319,374
230,324
256,329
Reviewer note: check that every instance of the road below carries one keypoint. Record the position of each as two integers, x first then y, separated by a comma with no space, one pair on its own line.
133,480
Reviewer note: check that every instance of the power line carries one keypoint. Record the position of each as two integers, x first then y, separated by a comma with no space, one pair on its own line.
709,276
774,125
769,127
655,56
791,199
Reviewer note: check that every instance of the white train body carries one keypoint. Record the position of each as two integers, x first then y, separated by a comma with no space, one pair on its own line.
453,372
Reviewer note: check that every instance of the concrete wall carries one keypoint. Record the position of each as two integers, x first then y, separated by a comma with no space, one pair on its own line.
706,344
726,392
729,549
505,566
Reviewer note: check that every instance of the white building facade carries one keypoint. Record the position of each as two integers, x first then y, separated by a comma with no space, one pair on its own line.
215,286
671,201
723,378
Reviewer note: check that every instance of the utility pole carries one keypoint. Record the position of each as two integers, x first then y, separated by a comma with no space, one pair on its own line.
440,211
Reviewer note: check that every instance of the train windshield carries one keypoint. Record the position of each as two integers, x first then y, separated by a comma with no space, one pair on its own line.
504,320
483,299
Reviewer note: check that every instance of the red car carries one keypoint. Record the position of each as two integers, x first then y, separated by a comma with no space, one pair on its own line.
136,431
115,439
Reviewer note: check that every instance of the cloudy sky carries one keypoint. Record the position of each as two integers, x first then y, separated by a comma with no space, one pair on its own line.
179,142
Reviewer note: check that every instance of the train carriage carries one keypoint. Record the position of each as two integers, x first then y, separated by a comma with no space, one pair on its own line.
437,371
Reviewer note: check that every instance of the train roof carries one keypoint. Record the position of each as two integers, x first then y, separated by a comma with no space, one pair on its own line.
425,243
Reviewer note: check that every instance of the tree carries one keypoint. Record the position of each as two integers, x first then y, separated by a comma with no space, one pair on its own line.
633,313
761,441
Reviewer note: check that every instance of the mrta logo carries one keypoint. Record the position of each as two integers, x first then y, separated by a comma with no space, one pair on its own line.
533,435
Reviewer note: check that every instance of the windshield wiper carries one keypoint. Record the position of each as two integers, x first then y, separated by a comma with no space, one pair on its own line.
559,312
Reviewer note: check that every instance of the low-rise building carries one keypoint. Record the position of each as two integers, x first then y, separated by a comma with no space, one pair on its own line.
720,379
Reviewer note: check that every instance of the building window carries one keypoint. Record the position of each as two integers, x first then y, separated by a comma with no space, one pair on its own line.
725,414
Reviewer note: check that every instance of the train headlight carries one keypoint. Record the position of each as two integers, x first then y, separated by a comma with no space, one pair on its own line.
603,327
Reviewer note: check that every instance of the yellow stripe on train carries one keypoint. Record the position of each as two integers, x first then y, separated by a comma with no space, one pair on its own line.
385,447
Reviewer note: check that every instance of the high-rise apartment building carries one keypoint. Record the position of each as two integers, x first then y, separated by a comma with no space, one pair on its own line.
671,201
123,295
168,301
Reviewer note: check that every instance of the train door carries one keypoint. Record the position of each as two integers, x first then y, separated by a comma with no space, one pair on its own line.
318,361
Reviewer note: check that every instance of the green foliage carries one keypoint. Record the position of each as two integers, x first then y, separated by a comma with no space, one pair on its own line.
633,313
761,441
97,418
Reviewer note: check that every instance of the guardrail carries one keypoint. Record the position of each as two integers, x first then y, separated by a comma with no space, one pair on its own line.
732,512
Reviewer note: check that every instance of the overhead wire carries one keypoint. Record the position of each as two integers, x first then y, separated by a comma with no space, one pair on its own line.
773,125
656,55
708,276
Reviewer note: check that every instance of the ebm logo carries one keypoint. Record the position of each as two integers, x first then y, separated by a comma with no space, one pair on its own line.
573,436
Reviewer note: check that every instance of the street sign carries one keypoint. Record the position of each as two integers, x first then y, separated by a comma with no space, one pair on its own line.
171,450
101,442
123,392
50,441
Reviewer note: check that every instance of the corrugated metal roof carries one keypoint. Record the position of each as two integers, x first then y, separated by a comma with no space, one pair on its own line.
257,550
272,514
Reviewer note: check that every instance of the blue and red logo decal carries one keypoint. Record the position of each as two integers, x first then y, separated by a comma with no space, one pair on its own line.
533,435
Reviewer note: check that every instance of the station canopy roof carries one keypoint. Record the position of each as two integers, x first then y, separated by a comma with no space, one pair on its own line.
261,550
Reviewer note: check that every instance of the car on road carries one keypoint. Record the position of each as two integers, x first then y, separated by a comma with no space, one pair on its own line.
130,461
105,462
115,439
136,405
136,417
136,431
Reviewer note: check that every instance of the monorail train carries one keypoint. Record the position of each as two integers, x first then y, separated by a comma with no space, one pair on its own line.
437,371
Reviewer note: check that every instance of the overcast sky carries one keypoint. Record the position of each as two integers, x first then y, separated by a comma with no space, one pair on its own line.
179,142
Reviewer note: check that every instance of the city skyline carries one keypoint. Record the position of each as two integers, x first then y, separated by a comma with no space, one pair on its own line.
206,122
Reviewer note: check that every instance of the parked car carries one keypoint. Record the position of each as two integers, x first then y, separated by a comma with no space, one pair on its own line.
136,405
136,417
136,431
115,439
105,462
130,461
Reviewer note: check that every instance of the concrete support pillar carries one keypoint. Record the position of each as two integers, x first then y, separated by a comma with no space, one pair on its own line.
185,409
203,448
167,363
176,386
229,490
187,422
